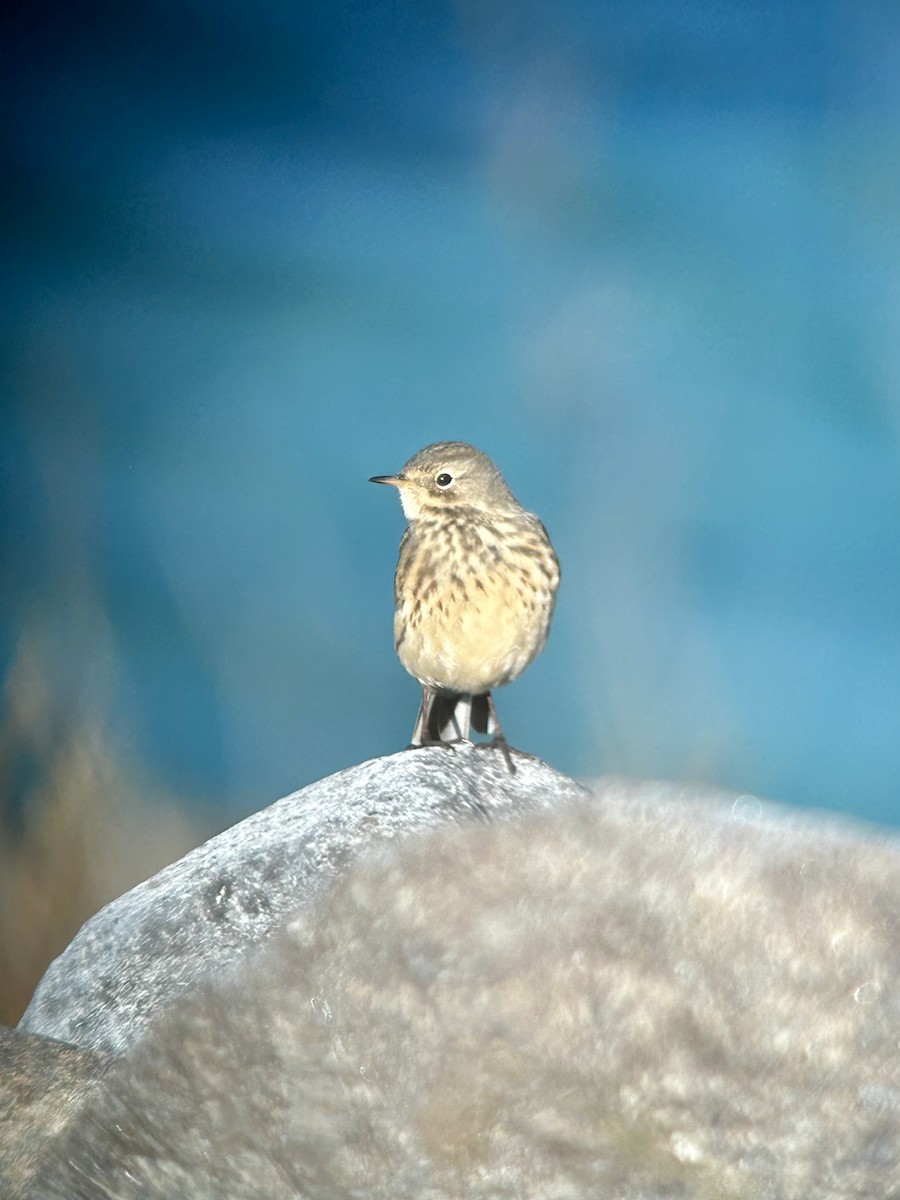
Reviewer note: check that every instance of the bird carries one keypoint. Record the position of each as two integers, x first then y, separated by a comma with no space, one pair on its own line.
474,590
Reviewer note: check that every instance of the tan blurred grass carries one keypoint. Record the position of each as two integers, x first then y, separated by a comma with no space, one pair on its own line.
77,827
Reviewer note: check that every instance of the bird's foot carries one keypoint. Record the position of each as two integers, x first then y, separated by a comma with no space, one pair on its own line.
500,743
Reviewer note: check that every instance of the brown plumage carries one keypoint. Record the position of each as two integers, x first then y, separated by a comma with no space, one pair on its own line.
474,590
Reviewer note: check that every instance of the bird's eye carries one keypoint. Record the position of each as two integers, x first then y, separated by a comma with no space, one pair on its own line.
443,480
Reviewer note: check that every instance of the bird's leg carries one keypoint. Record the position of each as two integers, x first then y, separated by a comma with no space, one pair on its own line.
493,726
453,715
421,733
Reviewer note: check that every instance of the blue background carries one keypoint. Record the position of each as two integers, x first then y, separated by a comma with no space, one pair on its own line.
643,253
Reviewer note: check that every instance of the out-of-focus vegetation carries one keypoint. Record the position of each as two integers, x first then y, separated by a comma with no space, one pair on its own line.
76,830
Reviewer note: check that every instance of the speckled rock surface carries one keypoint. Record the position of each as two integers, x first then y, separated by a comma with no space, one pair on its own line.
204,911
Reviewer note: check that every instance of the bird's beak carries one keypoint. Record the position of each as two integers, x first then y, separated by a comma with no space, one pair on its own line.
395,480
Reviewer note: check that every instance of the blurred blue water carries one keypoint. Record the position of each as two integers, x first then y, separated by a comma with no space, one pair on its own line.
643,254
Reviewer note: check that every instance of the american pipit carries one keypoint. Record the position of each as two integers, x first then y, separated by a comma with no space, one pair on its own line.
474,590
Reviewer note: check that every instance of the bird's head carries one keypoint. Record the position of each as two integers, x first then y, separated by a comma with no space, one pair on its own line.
449,475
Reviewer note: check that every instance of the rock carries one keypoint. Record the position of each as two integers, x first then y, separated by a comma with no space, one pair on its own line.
637,995
211,907
43,1084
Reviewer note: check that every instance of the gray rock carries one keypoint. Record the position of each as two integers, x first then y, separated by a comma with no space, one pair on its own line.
209,908
638,996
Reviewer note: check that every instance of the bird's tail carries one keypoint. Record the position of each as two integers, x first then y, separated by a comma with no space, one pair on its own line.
449,716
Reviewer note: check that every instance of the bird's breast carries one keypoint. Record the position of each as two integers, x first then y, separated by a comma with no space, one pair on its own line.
474,600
